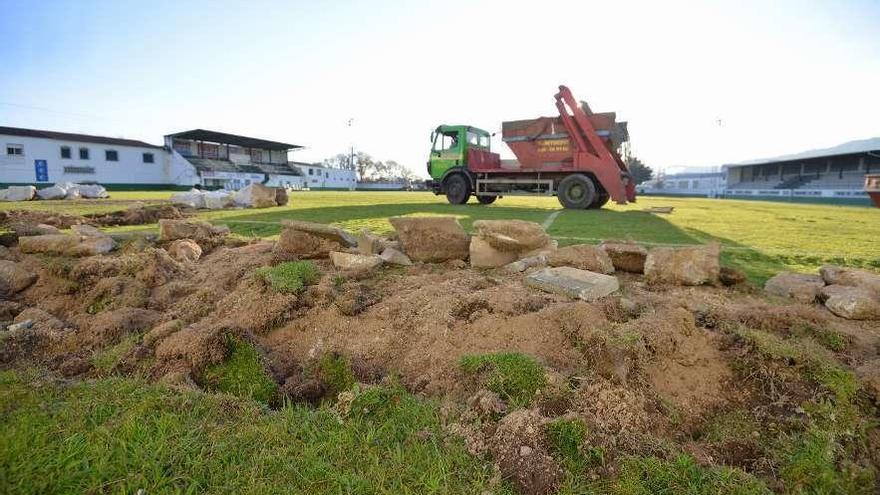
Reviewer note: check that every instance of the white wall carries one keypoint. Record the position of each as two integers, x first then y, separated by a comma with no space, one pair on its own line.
291,181
129,169
322,178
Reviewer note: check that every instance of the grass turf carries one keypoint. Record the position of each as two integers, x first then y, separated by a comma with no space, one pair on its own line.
760,237
119,435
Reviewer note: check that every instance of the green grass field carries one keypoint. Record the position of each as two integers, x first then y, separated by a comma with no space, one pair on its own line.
759,237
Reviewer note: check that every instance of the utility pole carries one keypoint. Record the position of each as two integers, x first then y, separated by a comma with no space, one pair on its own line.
351,150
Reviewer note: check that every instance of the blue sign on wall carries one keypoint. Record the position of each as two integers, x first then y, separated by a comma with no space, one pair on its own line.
41,169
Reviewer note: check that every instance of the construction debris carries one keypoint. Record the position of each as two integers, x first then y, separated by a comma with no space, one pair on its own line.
572,282
692,265
432,239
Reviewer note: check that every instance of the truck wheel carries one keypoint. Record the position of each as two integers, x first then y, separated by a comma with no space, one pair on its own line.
576,191
486,200
600,201
458,189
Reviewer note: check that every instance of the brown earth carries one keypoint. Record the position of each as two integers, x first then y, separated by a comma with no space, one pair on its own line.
644,369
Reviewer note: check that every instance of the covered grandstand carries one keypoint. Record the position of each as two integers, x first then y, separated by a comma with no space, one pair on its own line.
836,173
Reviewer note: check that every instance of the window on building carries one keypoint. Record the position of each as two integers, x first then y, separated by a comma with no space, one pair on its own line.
311,171
14,149
327,175
65,152
79,170
111,155
83,153
695,184
148,158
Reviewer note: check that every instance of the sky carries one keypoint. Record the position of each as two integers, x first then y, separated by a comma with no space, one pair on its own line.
700,83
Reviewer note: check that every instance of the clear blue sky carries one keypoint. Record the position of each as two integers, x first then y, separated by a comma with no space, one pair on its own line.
781,76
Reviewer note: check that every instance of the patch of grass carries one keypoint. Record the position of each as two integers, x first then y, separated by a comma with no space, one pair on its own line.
290,277
731,425
335,371
242,374
513,376
120,435
566,438
106,359
650,475
814,362
812,463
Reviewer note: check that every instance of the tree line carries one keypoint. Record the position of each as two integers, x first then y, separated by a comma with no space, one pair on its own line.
368,168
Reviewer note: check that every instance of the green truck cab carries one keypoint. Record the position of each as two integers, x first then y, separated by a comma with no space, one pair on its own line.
453,147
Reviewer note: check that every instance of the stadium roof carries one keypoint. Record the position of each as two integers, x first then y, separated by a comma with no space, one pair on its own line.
79,138
848,148
243,141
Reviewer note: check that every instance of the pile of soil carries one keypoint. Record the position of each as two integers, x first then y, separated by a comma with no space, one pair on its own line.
135,213
645,370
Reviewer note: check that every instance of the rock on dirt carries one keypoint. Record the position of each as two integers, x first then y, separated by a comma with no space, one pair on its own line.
360,263
41,320
185,250
693,265
298,244
431,239
484,255
14,278
517,447
329,232
512,235
801,287
573,282
67,245
500,242
368,243
255,196
583,257
853,303
835,275
29,229
24,325
18,193
524,264
394,257
197,230
626,256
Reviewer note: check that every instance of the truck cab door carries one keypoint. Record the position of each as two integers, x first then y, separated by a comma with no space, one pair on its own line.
447,152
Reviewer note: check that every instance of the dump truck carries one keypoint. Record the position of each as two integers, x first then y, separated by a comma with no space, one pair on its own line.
575,157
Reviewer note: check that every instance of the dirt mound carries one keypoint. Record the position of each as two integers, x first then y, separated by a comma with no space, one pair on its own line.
136,214
34,217
116,292
194,347
110,327
518,449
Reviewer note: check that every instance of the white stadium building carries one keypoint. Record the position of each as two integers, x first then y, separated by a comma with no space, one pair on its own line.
200,157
